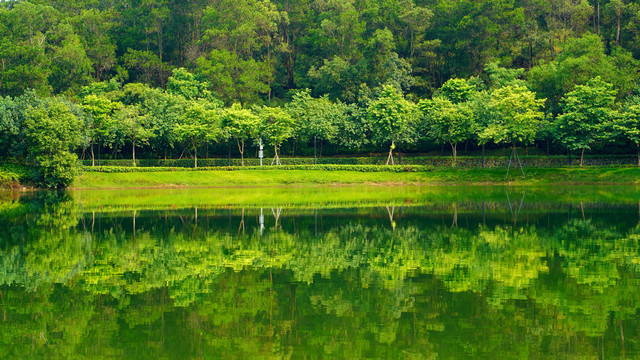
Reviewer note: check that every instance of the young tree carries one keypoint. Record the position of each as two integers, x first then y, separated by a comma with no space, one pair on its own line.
629,124
448,122
516,116
277,126
53,132
199,124
240,124
586,110
134,126
391,115
315,118
100,111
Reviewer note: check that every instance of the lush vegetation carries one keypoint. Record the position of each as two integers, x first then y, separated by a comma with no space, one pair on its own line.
169,79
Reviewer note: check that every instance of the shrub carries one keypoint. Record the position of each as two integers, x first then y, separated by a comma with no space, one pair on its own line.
359,168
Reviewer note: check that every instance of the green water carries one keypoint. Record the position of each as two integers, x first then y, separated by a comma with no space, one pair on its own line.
344,273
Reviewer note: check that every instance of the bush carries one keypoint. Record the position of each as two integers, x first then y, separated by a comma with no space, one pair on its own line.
56,171
359,168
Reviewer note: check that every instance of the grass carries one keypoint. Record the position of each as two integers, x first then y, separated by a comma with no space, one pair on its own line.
253,178
346,196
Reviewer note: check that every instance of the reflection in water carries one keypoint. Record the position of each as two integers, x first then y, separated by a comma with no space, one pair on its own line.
446,278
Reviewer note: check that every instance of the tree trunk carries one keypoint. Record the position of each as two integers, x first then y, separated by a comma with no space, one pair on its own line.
393,143
483,156
618,29
241,148
195,157
581,157
133,143
638,154
454,149
93,160
276,158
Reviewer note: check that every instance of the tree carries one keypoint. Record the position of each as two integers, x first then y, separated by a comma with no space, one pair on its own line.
277,126
234,78
52,133
240,124
186,84
515,118
581,60
315,118
628,123
135,126
448,122
199,124
457,90
585,111
100,111
391,115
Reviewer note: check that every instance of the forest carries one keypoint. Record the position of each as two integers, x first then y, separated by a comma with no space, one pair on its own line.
162,79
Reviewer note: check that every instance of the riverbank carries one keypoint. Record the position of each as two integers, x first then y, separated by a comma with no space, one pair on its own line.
308,177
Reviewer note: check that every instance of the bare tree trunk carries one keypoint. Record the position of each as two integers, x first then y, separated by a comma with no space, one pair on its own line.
618,29
581,157
638,154
390,157
454,149
241,148
133,143
195,157
93,159
276,158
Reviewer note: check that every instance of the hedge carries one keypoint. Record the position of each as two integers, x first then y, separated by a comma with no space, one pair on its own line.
327,167
433,161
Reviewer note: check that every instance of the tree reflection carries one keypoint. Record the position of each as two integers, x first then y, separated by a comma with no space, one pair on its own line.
347,283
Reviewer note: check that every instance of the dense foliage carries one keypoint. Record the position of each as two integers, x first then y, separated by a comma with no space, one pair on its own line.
172,79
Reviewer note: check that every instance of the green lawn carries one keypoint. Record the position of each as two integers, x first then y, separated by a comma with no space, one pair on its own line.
243,178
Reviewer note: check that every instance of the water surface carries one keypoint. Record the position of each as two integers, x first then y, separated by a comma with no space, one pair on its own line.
366,272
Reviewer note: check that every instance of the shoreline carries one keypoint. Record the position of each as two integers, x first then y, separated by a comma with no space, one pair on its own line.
150,178
345,178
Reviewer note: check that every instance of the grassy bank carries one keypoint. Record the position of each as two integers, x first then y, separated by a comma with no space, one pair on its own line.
308,176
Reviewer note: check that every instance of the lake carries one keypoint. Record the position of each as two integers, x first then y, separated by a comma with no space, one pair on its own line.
321,272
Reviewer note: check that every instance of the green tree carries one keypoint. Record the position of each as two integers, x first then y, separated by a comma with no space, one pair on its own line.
135,126
448,122
199,124
53,132
241,125
628,123
515,116
186,84
316,118
391,116
586,110
277,126
100,111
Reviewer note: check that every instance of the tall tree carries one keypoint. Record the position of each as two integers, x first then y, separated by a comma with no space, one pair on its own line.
199,124
586,110
448,122
276,126
240,124
516,116
392,116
